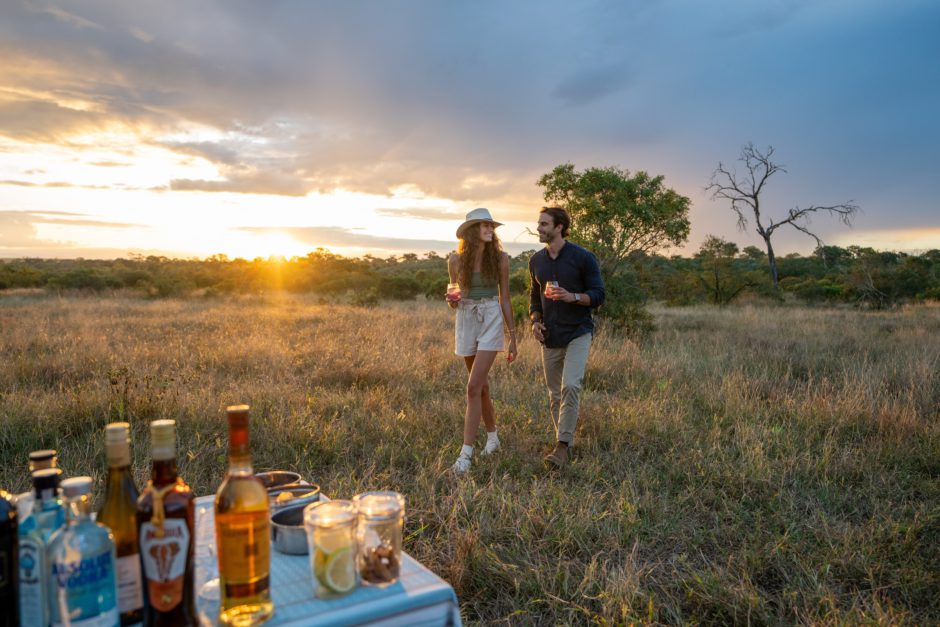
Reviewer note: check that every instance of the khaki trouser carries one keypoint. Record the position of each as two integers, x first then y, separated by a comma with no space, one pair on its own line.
564,374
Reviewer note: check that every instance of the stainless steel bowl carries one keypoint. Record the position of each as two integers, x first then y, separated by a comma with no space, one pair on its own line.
278,478
288,496
287,531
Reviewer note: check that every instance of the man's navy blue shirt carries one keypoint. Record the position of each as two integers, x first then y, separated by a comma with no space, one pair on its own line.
576,270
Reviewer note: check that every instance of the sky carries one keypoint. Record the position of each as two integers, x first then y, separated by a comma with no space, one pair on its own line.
257,129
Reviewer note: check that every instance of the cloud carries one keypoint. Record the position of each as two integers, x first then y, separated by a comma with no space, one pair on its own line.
421,213
52,184
591,85
351,238
19,227
254,183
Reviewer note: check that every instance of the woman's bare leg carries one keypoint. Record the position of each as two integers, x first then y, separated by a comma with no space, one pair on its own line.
489,414
479,370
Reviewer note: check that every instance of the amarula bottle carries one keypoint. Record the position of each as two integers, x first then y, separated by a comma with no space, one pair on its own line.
9,550
242,533
81,555
166,520
119,513
44,518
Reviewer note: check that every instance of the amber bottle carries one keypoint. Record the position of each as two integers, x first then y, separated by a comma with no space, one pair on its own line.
166,524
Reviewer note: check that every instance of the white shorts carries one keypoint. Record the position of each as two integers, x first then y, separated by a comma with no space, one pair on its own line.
479,326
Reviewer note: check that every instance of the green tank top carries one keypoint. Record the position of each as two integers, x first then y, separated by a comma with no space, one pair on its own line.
478,289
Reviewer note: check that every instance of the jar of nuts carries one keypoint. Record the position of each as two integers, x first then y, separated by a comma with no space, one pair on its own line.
381,518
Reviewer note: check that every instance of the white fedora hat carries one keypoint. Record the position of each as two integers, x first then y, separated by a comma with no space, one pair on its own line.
477,215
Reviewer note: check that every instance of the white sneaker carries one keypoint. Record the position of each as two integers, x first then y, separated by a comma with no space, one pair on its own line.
492,445
461,466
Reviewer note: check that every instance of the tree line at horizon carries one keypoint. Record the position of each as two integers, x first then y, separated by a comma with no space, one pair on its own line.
718,273
624,218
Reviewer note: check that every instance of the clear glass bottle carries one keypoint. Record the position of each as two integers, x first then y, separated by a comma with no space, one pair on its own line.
81,555
381,519
331,535
9,550
119,513
166,520
44,518
243,533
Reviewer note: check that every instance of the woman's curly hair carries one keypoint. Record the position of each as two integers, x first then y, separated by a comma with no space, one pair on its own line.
492,252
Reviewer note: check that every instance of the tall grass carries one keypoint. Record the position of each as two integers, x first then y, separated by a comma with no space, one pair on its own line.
758,465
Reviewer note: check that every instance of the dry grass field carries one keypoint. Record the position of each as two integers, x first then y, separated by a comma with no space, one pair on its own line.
753,465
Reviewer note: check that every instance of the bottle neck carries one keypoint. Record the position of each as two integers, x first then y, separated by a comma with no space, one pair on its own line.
163,471
239,460
78,508
118,454
239,452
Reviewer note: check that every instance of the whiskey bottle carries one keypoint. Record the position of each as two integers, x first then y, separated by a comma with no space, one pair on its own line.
166,522
119,513
242,533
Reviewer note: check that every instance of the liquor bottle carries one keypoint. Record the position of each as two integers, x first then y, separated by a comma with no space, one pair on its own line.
166,519
81,554
242,532
38,460
9,550
44,518
119,512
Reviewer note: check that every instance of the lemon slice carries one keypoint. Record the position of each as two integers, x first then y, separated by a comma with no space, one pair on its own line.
339,574
330,542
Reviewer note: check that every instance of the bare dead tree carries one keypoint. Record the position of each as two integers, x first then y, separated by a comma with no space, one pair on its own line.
744,193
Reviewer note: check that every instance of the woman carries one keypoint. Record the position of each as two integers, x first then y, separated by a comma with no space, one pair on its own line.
481,269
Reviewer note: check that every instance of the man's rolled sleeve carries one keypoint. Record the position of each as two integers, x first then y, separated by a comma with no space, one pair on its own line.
593,282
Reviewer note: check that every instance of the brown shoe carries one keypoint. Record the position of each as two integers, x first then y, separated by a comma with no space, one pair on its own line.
559,457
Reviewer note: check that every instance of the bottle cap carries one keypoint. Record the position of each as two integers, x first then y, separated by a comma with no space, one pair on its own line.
117,433
42,459
76,486
163,439
237,426
117,441
46,479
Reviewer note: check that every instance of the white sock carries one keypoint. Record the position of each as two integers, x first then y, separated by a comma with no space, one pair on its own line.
491,436
466,451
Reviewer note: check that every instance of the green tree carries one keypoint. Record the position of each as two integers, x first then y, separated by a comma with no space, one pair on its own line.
615,214
718,276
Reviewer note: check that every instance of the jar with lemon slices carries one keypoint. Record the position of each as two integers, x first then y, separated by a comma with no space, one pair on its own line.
331,535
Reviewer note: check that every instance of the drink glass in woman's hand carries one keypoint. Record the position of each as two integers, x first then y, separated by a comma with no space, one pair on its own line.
550,287
453,293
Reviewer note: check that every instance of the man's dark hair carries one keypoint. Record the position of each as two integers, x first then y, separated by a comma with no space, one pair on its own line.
559,216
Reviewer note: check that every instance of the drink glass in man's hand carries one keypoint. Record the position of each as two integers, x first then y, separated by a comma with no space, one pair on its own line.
550,287
453,293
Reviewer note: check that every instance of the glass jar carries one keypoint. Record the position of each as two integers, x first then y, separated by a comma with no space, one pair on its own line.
331,536
381,518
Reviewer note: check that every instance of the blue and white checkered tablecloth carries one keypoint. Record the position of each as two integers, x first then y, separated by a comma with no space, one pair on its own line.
419,598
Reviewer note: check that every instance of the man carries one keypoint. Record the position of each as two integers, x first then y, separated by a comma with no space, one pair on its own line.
561,320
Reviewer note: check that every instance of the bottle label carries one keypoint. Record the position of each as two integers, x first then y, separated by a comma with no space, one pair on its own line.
104,619
32,586
244,548
85,587
165,562
129,587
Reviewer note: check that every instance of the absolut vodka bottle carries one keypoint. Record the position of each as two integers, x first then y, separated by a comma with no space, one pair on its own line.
82,587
